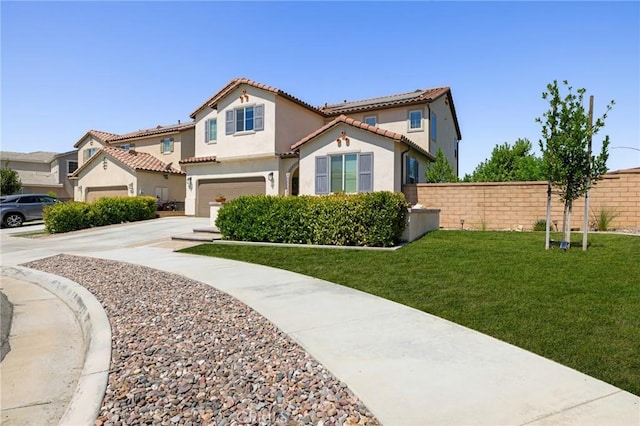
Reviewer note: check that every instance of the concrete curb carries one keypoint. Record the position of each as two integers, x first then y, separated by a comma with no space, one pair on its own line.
85,404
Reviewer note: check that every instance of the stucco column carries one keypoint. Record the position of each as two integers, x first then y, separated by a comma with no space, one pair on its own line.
286,183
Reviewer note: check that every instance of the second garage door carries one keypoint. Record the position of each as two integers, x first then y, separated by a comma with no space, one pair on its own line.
230,188
106,191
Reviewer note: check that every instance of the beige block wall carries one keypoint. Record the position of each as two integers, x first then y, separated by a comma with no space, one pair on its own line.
511,205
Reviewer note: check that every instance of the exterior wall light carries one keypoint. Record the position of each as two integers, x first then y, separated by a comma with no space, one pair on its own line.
131,187
270,176
189,183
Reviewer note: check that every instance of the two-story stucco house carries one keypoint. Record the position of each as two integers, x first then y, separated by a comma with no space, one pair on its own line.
43,172
251,138
144,162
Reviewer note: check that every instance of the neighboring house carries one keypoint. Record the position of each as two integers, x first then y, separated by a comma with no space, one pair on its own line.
43,172
251,138
144,162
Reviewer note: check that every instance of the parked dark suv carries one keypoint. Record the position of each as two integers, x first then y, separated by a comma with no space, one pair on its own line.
20,208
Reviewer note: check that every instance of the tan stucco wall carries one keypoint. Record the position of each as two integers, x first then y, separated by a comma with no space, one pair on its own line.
446,136
293,122
26,166
237,145
87,143
147,183
397,120
183,146
233,169
510,205
385,156
95,175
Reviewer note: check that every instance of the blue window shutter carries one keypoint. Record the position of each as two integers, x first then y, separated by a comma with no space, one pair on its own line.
365,172
206,131
258,117
230,127
322,175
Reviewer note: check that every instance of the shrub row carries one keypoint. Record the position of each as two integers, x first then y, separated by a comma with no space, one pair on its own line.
373,219
65,217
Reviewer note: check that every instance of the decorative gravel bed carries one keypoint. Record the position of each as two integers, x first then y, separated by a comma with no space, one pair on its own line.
186,353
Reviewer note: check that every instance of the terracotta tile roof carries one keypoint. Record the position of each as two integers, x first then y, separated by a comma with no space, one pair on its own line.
410,98
212,101
135,160
173,128
417,96
101,136
361,125
195,160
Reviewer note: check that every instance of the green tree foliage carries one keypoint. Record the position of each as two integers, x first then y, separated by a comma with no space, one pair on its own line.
440,171
568,166
10,181
509,163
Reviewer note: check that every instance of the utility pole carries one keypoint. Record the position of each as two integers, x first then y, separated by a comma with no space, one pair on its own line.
585,230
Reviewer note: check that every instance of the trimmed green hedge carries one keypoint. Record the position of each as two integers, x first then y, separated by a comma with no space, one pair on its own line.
374,219
65,217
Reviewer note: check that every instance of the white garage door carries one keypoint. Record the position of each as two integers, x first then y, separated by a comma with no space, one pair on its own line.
230,188
106,191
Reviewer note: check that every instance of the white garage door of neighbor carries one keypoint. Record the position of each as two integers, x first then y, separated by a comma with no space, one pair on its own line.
106,191
230,188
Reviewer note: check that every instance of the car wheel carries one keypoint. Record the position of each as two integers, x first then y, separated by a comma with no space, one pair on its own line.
13,220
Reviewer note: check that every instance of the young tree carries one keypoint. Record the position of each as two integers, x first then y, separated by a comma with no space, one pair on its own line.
569,166
509,163
440,171
9,181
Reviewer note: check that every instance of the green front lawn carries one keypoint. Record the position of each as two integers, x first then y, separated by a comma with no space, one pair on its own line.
581,309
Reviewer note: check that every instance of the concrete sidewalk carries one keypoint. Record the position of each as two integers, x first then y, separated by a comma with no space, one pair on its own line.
40,373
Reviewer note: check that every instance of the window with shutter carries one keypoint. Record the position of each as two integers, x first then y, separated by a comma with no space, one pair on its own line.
245,119
344,173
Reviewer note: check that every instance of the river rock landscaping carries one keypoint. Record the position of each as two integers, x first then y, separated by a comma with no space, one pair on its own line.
186,353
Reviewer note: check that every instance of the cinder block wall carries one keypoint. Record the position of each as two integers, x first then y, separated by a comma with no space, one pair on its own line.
517,205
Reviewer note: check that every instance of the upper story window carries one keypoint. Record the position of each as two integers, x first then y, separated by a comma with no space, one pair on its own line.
432,126
244,119
211,130
72,166
371,120
166,145
415,119
344,173
88,153
128,146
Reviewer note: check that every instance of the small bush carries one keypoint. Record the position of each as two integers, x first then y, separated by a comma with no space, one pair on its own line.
603,218
67,217
540,225
373,219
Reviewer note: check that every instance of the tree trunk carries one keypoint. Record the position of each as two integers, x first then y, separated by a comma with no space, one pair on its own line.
569,224
546,238
585,231
564,222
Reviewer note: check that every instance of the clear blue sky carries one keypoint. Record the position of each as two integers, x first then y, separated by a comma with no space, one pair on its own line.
68,67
